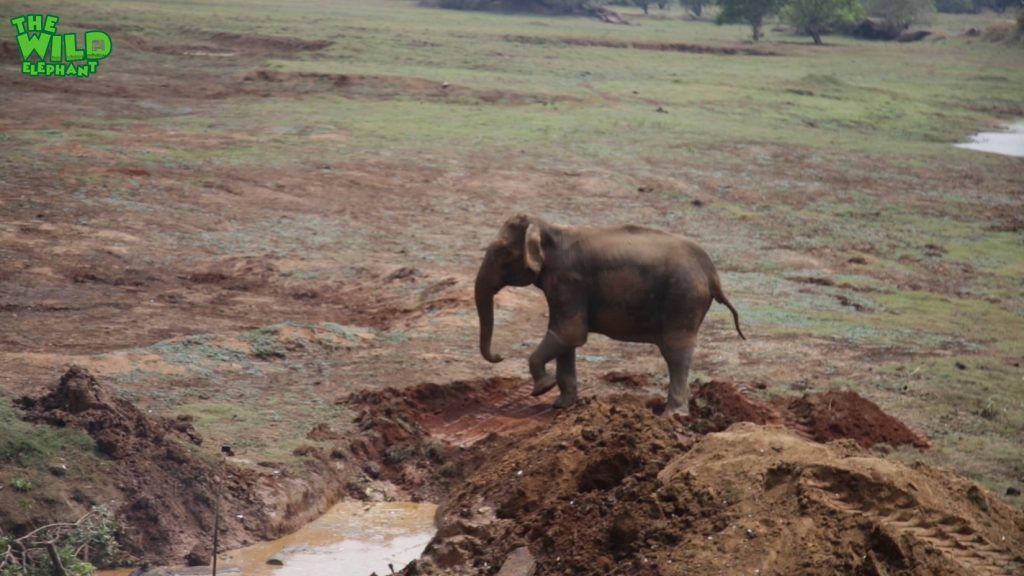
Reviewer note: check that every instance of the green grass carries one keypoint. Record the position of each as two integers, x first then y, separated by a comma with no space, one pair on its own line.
34,446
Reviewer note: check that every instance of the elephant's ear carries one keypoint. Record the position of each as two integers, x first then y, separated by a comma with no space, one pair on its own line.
533,253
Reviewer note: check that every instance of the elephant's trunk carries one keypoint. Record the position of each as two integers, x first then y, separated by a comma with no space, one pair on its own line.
486,288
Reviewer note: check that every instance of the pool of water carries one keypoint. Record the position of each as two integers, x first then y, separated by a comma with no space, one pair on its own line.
362,537
1008,143
352,538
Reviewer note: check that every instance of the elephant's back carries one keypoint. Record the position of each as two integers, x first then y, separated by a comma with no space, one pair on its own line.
639,245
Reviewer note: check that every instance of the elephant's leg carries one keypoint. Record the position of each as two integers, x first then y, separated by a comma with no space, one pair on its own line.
550,347
678,354
566,377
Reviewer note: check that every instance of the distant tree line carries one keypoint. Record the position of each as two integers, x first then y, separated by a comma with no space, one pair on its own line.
888,18
975,6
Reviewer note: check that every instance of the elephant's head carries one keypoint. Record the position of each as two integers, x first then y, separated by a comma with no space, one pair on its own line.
515,258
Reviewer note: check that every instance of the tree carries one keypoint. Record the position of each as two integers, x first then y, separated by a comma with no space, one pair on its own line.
645,4
695,6
815,17
752,12
900,14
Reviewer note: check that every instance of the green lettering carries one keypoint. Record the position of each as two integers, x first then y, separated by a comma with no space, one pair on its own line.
26,68
34,44
93,66
35,22
94,38
56,52
19,24
51,24
71,51
49,69
83,72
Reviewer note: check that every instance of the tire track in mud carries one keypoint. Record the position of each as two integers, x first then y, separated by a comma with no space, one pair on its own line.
896,515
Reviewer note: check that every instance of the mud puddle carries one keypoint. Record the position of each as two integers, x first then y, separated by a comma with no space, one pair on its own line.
363,537
1008,143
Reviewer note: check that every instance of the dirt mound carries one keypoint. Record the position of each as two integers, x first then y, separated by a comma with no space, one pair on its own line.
845,414
610,487
167,486
717,405
119,429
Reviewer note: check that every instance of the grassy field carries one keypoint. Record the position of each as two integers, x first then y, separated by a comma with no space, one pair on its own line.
308,150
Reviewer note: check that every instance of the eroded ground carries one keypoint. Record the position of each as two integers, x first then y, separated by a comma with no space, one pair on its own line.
246,219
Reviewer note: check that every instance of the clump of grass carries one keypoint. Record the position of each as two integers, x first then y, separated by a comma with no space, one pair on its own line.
350,333
33,445
22,485
197,350
264,344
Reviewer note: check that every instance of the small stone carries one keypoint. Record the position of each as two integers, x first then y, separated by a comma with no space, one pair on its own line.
520,562
372,469
1013,491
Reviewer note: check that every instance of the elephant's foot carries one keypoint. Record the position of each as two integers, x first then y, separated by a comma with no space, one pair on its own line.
565,400
543,385
673,409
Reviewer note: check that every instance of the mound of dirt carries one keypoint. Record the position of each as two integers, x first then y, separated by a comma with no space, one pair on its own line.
609,487
119,429
844,414
167,486
717,405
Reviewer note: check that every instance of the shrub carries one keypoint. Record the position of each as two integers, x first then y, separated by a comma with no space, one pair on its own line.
901,14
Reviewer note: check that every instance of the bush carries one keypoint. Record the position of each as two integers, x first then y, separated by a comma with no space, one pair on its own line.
93,536
816,17
900,14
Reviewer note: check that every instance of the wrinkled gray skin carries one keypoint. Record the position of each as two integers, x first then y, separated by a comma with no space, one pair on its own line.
626,282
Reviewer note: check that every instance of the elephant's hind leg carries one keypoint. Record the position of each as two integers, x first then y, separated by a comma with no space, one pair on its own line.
678,353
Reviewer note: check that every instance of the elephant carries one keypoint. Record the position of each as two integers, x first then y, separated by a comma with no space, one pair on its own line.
629,283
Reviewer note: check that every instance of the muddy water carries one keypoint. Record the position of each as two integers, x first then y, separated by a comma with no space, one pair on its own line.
357,536
1008,143
352,538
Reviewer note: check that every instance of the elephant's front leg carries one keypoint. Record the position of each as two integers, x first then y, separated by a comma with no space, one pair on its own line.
551,347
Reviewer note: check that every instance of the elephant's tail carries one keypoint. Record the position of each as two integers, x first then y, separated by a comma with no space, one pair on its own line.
721,299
